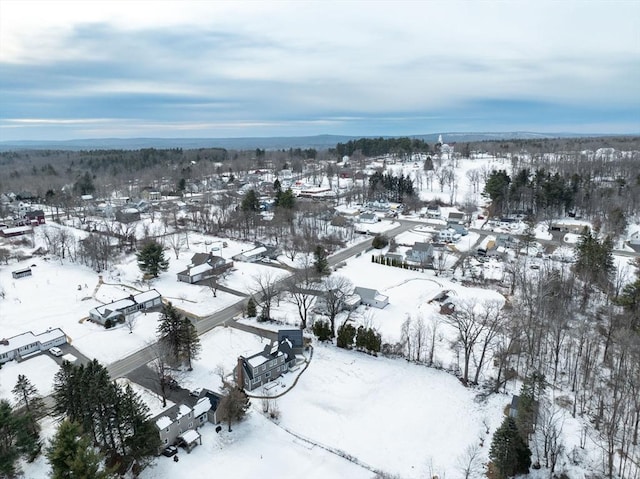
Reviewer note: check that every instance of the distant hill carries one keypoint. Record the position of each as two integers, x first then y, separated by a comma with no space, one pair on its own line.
318,142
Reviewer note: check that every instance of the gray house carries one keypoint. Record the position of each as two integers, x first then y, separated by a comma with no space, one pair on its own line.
458,228
177,425
25,344
371,297
265,366
204,266
421,253
455,217
119,310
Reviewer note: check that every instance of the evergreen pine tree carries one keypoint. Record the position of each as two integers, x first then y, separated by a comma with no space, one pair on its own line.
322,330
151,260
28,399
509,453
170,332
250,202
71,455
251,308
321,264
9,452
190,341
346,335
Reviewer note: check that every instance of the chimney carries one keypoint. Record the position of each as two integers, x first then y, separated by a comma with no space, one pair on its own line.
240,373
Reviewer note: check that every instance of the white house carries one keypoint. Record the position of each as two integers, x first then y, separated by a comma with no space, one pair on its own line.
119,310
28,343
251,256
448,236
371,297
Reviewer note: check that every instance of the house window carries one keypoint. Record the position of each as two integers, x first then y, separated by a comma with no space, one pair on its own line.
166,440
267,374
201,419
190,424
264,366
167,429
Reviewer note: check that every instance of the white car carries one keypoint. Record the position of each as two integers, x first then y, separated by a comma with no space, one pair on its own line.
57,352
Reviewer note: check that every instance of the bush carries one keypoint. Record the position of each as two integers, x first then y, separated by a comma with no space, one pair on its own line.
108,324
264,316
380,241
346,335
322,330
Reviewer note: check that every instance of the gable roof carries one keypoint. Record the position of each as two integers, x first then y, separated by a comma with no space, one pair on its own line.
293,335
426,247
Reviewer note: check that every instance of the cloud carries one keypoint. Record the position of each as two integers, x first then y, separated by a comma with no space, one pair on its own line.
222,66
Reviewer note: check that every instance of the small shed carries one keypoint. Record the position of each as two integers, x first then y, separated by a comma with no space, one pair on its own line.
21,273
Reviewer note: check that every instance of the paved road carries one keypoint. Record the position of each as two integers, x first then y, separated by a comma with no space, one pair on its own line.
126,365
225,316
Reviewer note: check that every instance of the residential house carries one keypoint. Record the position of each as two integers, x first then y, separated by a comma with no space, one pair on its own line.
251,256
258,253
448,236
16,231
371,297
506,241
433,211
421,253
119,310
265,366
368,218
34,217
455,217
21,346
458,228
127,215
175,423
204,266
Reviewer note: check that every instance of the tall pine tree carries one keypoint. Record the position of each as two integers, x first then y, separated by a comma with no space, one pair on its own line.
509,453
151,260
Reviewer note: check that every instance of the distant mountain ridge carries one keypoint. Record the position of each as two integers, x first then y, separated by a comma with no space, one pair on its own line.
269,143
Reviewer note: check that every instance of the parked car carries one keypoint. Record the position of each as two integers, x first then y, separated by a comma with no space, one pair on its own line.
170,451
57,352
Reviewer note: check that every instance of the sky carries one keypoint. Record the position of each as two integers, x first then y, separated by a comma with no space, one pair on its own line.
199,69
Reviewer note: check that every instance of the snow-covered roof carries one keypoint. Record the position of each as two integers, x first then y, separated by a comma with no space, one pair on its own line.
27,338
190,436
108,309
17,229
255,252
163,422
201,268
184,410
201,407
146,296
260,358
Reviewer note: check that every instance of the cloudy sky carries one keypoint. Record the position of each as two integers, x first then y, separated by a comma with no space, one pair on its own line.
90,69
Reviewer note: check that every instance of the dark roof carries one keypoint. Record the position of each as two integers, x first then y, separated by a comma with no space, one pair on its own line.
422,247
213,398
199,258
293,335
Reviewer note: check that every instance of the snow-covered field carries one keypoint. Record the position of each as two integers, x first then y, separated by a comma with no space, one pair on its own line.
389,414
